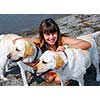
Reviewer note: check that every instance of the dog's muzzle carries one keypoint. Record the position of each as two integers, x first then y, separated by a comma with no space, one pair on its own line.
9,57
40,74
21,58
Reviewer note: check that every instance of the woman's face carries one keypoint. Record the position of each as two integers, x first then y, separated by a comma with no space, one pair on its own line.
51,38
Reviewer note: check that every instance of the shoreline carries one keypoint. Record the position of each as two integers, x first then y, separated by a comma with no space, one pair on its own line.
34,31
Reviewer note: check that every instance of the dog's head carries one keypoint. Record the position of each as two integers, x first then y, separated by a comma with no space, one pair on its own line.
21,49
50,60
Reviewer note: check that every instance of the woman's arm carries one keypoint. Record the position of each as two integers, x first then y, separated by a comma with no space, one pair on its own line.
76,43
34,40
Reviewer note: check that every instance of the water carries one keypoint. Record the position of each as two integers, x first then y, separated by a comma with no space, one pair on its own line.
15,23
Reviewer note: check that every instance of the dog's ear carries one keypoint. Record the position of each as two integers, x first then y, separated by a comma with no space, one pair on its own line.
28,49
59,62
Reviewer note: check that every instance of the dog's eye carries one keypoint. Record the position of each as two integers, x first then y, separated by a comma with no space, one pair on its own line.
17,49
44,62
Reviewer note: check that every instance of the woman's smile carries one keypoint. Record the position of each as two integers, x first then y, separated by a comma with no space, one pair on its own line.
51,38
51,42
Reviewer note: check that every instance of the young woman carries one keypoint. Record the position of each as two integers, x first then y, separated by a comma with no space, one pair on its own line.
50,38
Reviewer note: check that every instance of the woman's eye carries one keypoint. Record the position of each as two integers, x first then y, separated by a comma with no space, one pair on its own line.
47,33
17,49
44,62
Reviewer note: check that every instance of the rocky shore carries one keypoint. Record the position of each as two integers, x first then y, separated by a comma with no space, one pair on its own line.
72,25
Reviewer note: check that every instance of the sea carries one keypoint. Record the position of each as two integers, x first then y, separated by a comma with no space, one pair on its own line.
16,23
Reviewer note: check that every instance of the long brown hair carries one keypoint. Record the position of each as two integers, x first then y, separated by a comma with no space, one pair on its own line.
48,26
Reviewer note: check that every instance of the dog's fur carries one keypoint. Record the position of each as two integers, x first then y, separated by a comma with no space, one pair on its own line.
6,46
72,63
15,47
29,52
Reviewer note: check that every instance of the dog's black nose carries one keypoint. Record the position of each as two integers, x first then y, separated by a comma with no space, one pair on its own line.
9,56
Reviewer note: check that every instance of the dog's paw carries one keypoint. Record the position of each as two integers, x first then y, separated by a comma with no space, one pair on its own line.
98,78
4,79
25,84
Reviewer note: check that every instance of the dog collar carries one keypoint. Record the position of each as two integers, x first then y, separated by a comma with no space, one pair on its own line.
65,54
37,49
63,68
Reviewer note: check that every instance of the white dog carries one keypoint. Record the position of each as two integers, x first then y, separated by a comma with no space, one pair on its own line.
28,52
72,63
16,48
6,46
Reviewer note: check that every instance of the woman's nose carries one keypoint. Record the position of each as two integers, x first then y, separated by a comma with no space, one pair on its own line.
51,36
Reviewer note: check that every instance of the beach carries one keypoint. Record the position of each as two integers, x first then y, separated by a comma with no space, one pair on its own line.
73,25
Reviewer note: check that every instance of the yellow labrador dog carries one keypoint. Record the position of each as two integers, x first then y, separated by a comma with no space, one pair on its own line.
6,46
26,51
16,48
72,63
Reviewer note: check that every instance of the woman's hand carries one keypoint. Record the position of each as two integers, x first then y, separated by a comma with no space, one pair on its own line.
60,48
